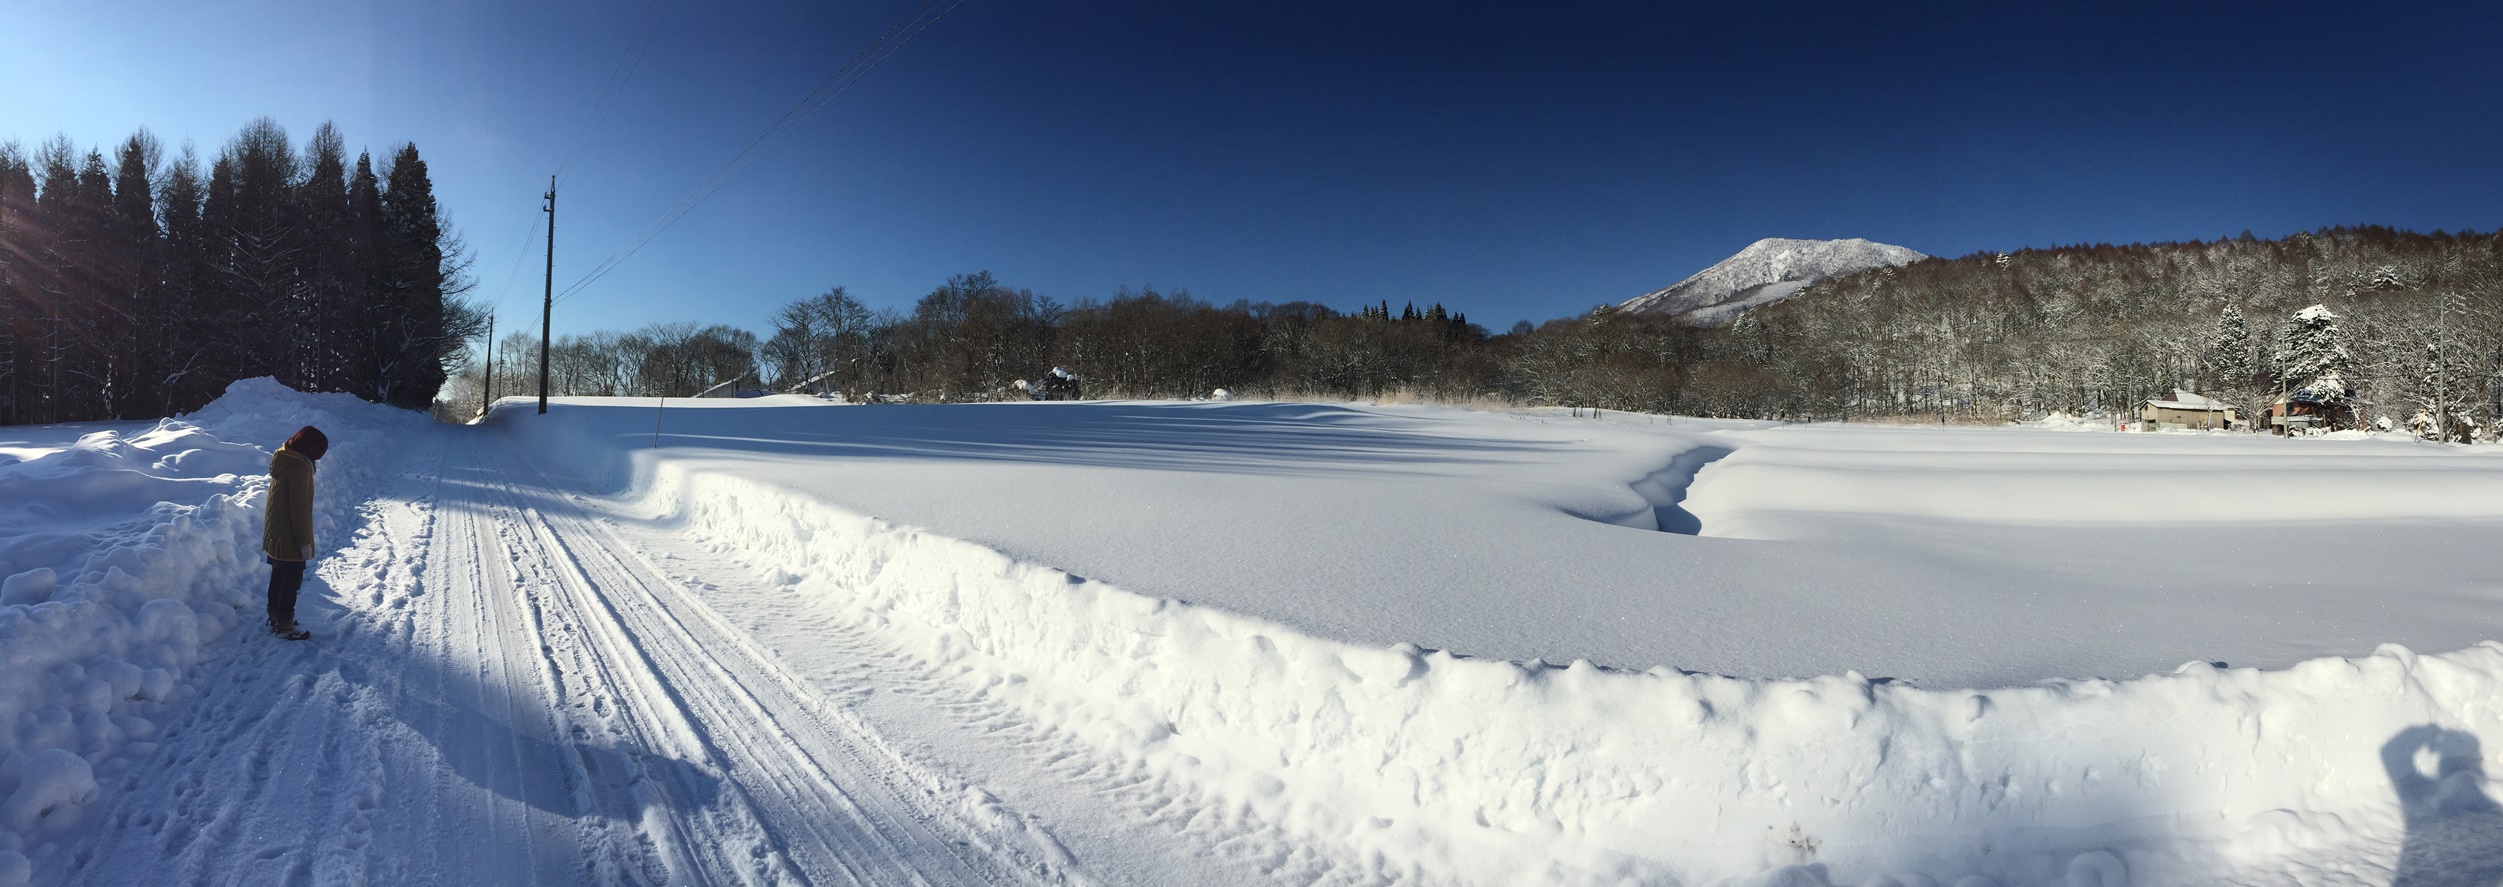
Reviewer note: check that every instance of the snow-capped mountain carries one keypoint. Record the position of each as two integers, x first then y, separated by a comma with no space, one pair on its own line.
1767,271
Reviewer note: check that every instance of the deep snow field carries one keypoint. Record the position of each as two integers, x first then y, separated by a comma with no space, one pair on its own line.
783,641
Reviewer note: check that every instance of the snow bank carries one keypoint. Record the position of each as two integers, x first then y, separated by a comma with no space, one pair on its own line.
1484,771
51,788
1762,492
124,556
2059,421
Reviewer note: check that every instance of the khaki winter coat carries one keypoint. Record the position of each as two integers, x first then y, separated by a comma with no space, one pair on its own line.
287,524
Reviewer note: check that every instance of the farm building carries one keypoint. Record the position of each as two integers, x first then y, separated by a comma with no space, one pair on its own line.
2304,408
2187,410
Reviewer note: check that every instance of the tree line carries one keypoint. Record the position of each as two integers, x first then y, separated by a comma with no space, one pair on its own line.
2407,326
973,338
134,285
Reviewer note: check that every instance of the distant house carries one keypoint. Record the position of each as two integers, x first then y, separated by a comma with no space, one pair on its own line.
2187,410
2305,408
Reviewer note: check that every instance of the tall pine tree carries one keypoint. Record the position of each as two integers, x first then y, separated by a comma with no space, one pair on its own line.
99,303
330,271
57,277
130,286
2228,357
17,206
258,248
136,244
405,307
182,377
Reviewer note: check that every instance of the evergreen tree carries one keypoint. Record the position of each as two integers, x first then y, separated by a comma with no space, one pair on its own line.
330,272
404,308
54,244
362,355
99,298
136,246
181,384
2228,357
17,204
259,248
133,287
2312,354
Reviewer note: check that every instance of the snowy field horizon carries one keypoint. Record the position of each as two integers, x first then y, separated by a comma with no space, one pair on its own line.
785,641
1368,522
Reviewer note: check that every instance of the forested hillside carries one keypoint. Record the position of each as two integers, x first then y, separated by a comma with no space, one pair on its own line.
2413,322
134,286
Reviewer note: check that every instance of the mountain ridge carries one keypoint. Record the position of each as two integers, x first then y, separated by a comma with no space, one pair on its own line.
1767,271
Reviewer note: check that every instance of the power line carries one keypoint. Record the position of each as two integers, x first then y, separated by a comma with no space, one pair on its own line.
628,60
530,235
876,53
885,46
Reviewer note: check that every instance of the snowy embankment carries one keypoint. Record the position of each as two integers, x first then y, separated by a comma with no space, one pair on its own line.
125,551
2342,770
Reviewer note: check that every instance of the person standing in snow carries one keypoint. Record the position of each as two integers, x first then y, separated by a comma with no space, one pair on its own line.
287,525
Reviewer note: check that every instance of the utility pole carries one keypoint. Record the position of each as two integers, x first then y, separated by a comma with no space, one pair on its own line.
547,302
486,395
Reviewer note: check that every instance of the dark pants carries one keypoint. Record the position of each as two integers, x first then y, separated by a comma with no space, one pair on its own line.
285,577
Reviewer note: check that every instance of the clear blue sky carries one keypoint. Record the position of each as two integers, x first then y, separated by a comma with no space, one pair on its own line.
1513,161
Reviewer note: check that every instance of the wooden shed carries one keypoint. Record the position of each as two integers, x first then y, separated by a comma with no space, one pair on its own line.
2187,410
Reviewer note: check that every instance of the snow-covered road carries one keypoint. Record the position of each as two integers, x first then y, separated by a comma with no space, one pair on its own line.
502,694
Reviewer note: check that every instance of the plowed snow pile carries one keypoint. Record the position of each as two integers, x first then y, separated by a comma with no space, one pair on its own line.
1308,643
127,549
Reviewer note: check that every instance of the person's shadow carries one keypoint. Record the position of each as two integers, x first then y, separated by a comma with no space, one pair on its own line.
2454,831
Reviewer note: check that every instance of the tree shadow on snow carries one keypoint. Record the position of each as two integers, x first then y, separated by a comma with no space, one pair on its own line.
262,737
2454,831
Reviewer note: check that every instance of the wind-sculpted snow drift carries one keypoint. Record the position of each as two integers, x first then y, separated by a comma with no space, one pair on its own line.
1450,768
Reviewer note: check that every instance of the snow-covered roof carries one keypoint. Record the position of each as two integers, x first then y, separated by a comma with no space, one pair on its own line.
2311,394
2183,400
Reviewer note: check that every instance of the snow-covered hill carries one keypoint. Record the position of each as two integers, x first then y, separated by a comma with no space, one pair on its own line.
1767,271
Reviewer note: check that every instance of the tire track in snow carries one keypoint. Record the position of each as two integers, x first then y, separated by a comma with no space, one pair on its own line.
819,793
861,675
497,694
490,713
410,742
